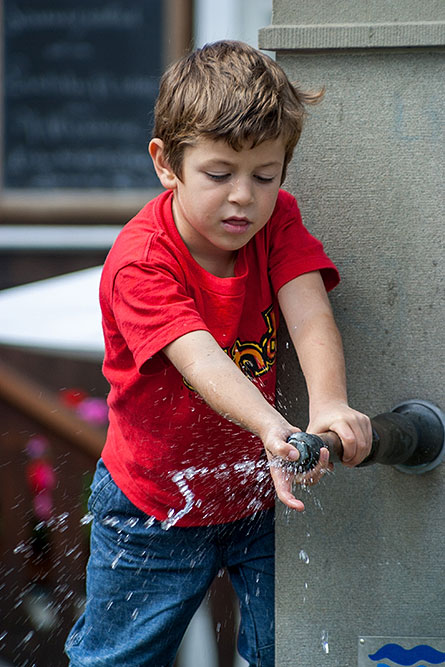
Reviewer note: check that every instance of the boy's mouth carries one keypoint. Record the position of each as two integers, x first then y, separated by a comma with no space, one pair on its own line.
236,225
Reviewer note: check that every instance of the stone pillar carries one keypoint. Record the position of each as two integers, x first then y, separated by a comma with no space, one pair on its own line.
367,557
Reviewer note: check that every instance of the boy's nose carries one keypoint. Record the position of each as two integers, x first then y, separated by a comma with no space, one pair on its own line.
241,192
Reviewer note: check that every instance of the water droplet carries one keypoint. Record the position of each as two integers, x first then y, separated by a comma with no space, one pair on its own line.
20,548
134,615
110,521
325,641
85,520
116,560
62,521
70,552
304,557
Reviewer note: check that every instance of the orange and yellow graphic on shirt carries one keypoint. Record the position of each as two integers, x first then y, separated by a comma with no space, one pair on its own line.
255,358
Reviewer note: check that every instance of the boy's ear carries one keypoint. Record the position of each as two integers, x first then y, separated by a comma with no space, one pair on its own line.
163,170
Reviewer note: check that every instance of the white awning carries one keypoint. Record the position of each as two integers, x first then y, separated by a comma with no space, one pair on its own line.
59,315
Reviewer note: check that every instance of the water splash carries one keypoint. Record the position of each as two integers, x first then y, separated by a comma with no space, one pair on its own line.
41,609
180,478
309,493
223,471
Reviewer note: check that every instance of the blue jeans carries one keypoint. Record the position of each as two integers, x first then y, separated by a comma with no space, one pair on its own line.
144,583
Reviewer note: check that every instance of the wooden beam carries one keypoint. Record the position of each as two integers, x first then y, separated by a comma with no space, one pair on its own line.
33,400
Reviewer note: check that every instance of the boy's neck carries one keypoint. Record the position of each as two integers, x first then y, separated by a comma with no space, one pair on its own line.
222,267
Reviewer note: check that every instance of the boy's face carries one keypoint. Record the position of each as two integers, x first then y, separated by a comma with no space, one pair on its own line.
225,197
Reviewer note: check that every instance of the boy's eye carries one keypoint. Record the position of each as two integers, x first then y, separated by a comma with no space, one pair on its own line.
264,179
222,177
217,177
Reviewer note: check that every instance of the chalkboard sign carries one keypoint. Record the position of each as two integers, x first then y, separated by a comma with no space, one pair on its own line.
80,81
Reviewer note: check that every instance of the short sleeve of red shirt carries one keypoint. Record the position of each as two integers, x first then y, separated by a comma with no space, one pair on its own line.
293,250
151,305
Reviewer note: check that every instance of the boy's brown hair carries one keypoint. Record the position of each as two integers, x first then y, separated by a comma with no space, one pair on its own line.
228,90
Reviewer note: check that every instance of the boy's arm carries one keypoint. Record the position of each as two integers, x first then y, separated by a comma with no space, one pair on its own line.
307,311
203,363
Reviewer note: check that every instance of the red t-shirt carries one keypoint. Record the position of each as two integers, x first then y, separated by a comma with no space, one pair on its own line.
167,450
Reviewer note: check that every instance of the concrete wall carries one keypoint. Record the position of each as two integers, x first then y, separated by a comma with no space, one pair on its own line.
368,174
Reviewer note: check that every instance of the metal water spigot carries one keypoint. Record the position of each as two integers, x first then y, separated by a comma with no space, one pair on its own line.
411,437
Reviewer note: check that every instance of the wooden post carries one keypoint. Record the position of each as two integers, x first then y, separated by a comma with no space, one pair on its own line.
178,29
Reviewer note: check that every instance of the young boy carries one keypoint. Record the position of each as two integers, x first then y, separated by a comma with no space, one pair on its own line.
190,295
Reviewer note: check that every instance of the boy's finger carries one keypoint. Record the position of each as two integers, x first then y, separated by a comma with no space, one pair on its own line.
313,476
283,451
283,487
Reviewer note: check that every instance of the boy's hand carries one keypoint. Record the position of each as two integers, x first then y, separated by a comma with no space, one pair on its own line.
279,452
308,314
352,427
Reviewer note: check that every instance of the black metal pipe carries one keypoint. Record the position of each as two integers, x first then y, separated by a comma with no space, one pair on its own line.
411,437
